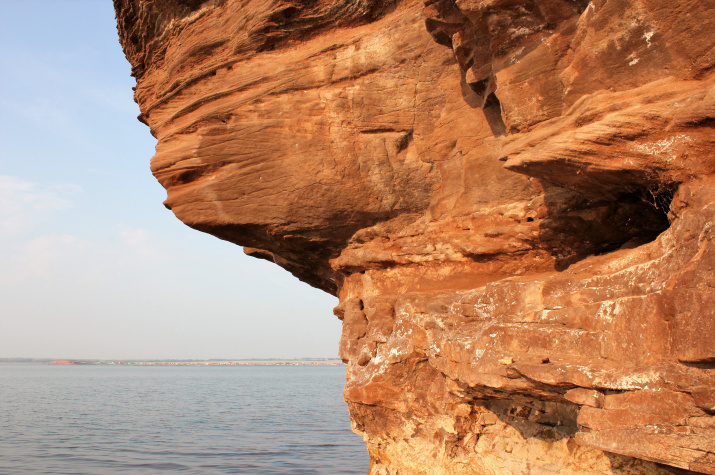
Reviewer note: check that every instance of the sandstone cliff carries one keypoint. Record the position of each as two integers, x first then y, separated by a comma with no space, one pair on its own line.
513,200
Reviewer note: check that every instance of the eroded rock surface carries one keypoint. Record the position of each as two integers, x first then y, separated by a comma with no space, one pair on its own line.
513,200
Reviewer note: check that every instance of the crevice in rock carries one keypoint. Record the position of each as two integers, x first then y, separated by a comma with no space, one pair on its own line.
578,227
381,130
404,141
676,470
303,19
706,364
472,50
545,420
493,114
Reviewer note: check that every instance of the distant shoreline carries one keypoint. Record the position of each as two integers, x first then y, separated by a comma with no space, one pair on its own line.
212,362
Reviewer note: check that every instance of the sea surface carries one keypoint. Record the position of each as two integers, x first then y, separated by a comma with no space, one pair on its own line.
176,419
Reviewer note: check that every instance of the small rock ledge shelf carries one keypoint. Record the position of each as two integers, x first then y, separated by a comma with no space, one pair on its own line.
513,200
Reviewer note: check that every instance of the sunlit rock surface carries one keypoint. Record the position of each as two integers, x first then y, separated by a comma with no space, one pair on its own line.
513,200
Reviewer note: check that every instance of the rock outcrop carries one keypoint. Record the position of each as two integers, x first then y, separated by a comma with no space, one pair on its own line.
513,200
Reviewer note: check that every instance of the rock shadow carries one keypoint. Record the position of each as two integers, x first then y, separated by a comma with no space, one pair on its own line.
577,226
545,420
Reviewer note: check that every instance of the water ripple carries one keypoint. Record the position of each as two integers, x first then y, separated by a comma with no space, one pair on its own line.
148,420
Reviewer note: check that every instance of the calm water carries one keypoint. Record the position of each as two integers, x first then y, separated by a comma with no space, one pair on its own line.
114,419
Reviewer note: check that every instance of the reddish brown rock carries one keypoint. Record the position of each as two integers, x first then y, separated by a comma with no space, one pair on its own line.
514,202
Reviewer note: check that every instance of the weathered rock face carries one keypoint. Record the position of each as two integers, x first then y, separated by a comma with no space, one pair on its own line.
514,201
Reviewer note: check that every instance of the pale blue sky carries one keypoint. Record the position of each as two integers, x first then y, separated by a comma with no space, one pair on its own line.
91,263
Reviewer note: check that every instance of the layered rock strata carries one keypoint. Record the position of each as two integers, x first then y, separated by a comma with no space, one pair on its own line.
513,200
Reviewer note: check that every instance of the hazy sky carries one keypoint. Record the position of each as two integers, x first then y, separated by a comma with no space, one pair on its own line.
91,263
